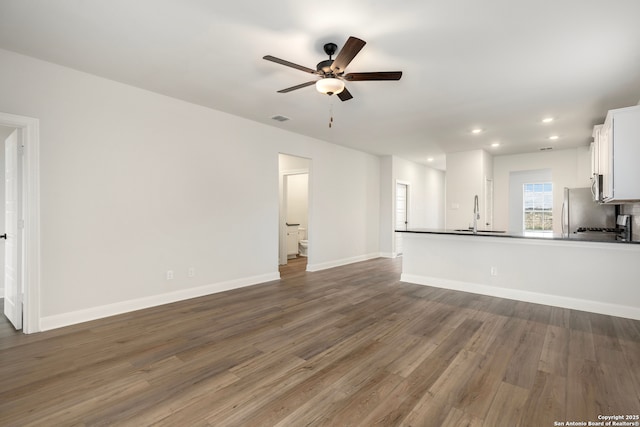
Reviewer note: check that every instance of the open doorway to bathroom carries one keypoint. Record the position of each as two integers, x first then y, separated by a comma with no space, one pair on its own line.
294,210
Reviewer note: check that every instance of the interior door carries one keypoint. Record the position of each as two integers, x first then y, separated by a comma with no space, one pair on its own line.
402,204
12,291
488,204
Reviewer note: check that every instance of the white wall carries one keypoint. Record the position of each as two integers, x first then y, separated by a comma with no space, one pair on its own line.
387,191
569,168
344,206
135,184
426,198
296,164
426,193
466,174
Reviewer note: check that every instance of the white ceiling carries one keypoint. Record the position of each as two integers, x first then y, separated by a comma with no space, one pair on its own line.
501,65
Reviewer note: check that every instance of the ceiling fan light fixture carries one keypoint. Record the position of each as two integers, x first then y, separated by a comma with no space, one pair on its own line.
330,86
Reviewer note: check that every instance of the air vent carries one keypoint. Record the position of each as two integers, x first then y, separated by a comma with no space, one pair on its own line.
546,148
280,118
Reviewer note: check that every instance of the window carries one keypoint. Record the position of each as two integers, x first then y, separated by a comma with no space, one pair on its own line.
538,207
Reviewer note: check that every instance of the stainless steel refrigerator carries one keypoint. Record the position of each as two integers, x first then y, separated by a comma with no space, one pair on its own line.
582,218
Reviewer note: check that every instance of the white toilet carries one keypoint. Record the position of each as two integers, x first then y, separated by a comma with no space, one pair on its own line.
303,243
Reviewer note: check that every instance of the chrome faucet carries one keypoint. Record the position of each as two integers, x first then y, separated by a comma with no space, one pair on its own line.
476,214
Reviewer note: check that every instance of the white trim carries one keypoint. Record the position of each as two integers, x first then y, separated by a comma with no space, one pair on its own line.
520,295
85,315
395,200
395,211
31,215
388,255
295,171
341,262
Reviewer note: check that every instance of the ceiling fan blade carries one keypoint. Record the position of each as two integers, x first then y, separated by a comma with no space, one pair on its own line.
379,75
345,95
289,64
347,53
300,86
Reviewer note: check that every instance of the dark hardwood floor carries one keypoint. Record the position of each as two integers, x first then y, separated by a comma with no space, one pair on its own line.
294,268
346,346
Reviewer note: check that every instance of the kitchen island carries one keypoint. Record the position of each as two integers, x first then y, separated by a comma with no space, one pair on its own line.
596,276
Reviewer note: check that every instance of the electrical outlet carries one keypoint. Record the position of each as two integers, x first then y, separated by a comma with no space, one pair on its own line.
169,274
191,272
494,271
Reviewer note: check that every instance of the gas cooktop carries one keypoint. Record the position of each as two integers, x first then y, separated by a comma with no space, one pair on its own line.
596,229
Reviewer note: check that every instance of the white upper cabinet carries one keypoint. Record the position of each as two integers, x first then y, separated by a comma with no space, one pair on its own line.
595,151
619,155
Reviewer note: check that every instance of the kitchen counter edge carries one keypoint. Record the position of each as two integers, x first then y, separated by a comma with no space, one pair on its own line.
510,235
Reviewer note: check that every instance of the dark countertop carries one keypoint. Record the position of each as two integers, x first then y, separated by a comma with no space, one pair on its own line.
574,237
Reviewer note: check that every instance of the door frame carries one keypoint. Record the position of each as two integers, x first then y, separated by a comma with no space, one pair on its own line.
488,203
397,236
30,193
282,247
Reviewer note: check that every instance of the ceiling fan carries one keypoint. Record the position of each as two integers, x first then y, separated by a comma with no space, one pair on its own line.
332,71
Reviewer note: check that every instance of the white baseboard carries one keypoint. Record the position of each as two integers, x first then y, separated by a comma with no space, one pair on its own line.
520,295
85,315
340,262
388,255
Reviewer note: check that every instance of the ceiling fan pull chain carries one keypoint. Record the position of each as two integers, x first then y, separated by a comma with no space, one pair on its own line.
331,115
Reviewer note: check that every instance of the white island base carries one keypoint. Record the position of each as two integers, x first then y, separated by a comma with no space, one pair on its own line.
589,276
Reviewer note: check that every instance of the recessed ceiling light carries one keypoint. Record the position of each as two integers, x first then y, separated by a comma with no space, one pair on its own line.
280,118
547,120
554,137
495,144
429,159
476,131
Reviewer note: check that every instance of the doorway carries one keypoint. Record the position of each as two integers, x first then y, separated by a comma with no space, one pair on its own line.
488,203
21,270
5,132
401,213
10,254
294,209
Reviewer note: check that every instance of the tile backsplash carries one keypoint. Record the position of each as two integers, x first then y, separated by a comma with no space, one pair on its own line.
633,210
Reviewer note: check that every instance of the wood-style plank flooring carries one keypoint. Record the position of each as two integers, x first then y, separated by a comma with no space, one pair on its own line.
346,346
